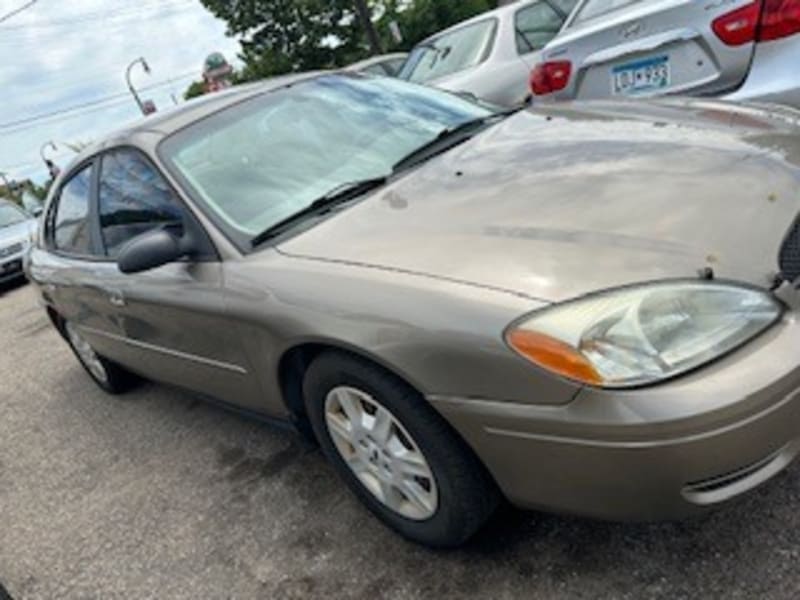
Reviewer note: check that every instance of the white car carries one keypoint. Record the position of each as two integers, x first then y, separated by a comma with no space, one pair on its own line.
17,230
744,50
384,65
489,56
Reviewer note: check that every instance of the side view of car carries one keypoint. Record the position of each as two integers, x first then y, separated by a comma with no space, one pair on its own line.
578,308
491,55
17,231
743,50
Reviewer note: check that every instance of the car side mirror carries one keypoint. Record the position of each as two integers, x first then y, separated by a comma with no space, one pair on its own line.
153,249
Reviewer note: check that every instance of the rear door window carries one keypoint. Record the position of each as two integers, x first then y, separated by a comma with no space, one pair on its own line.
451,52
71,231
536,25
133,199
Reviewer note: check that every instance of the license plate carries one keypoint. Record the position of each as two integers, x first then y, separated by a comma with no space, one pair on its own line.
640,77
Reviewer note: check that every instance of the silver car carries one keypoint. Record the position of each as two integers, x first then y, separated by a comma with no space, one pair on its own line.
17,229
735,49
491,55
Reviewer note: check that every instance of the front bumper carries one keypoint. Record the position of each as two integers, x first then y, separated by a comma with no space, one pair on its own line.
658,453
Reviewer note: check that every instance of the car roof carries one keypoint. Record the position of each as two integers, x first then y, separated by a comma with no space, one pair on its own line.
170,120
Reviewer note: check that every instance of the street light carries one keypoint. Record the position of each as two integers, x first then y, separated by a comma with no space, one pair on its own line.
51,167
130,85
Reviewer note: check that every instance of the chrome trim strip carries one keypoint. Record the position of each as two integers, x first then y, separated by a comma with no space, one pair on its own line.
175,353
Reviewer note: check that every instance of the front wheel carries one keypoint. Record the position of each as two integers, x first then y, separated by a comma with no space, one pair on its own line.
397,454
108,375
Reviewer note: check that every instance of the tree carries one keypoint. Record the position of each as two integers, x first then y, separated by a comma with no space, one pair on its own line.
280,36
195,89
291,35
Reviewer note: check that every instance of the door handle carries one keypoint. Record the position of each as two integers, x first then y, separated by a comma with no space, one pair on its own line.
116,298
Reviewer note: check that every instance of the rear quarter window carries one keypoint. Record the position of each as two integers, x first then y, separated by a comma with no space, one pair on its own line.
70,229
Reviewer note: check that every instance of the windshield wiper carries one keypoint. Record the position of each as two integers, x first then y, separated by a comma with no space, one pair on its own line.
449,138
338,195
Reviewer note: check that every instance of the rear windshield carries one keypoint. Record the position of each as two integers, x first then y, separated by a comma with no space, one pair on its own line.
596,8
451,52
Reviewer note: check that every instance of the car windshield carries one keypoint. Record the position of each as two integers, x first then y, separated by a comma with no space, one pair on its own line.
11,215
256,163
450,53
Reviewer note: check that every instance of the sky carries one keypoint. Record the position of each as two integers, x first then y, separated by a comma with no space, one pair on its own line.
59,54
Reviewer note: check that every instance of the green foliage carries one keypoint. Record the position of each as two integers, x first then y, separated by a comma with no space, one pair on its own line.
40,191
280,36
194,90
291,35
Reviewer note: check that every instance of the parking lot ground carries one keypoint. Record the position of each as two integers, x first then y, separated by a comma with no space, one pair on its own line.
157,495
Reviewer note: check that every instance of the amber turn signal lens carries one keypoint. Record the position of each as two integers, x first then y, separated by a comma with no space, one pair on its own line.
553,355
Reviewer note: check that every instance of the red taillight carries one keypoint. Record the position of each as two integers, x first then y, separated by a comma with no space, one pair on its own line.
781,19
550,77
740,26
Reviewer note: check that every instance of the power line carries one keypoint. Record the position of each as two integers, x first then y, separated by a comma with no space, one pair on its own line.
107,106
16,11
98,102
30,34
107,16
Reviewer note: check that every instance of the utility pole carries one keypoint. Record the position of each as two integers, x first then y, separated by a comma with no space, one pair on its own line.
369,26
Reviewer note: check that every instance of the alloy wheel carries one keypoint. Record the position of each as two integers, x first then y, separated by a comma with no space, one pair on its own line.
381,453
86,354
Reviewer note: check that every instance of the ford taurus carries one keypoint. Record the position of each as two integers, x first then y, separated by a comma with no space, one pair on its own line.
587,308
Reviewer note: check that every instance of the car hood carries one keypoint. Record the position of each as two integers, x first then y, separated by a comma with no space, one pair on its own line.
569,199
17,233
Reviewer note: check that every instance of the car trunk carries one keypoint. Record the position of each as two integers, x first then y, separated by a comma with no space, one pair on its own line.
665,46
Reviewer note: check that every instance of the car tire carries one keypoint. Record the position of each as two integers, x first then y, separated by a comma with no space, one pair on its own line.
433,490
107,374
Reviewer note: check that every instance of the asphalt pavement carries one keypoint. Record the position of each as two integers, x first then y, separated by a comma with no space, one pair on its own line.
158,495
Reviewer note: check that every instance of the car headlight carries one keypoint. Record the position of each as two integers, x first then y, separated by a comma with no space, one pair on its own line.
644,334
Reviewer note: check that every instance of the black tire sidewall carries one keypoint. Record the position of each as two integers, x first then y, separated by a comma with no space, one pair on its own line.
118,379
454,469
